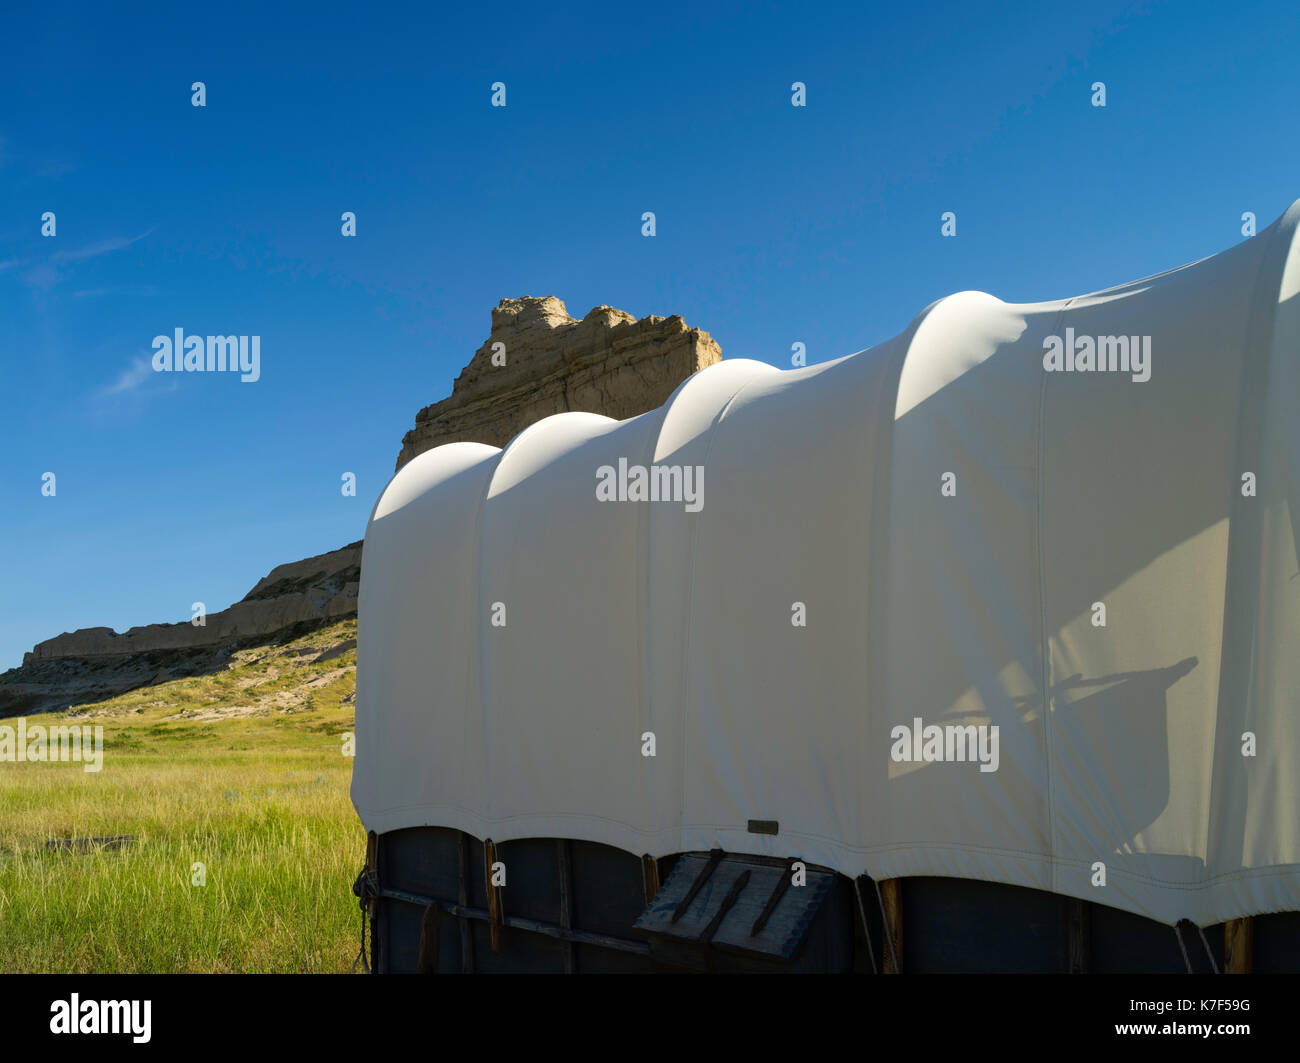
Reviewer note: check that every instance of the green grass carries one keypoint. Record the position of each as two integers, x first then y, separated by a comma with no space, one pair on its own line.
241,771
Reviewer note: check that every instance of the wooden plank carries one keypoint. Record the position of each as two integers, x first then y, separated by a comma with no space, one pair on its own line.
730,928
649,877
566,902
494,895
427,951
774,898
702,876
466,937
891,905
464,913
1238,945
1080,943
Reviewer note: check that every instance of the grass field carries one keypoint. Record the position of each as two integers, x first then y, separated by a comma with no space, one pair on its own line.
241,771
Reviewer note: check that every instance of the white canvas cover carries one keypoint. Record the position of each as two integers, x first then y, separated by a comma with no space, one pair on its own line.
1119,744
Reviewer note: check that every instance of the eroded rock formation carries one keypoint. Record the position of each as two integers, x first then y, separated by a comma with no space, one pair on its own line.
608,363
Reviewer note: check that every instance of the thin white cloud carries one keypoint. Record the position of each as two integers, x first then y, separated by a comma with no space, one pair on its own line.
116,289
95,250
43,276
131,378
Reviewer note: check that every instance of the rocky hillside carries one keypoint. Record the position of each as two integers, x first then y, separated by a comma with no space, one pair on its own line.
310,673
96,663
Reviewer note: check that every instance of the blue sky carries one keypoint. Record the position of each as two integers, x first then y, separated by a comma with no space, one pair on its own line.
775,224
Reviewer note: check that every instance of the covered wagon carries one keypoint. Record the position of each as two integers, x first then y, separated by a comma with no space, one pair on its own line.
976,650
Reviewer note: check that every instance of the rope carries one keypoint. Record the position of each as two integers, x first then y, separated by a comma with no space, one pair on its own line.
361,956
366,888
884,923
871,949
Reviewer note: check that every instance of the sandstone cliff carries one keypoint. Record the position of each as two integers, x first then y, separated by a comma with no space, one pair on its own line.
608,363
320,587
